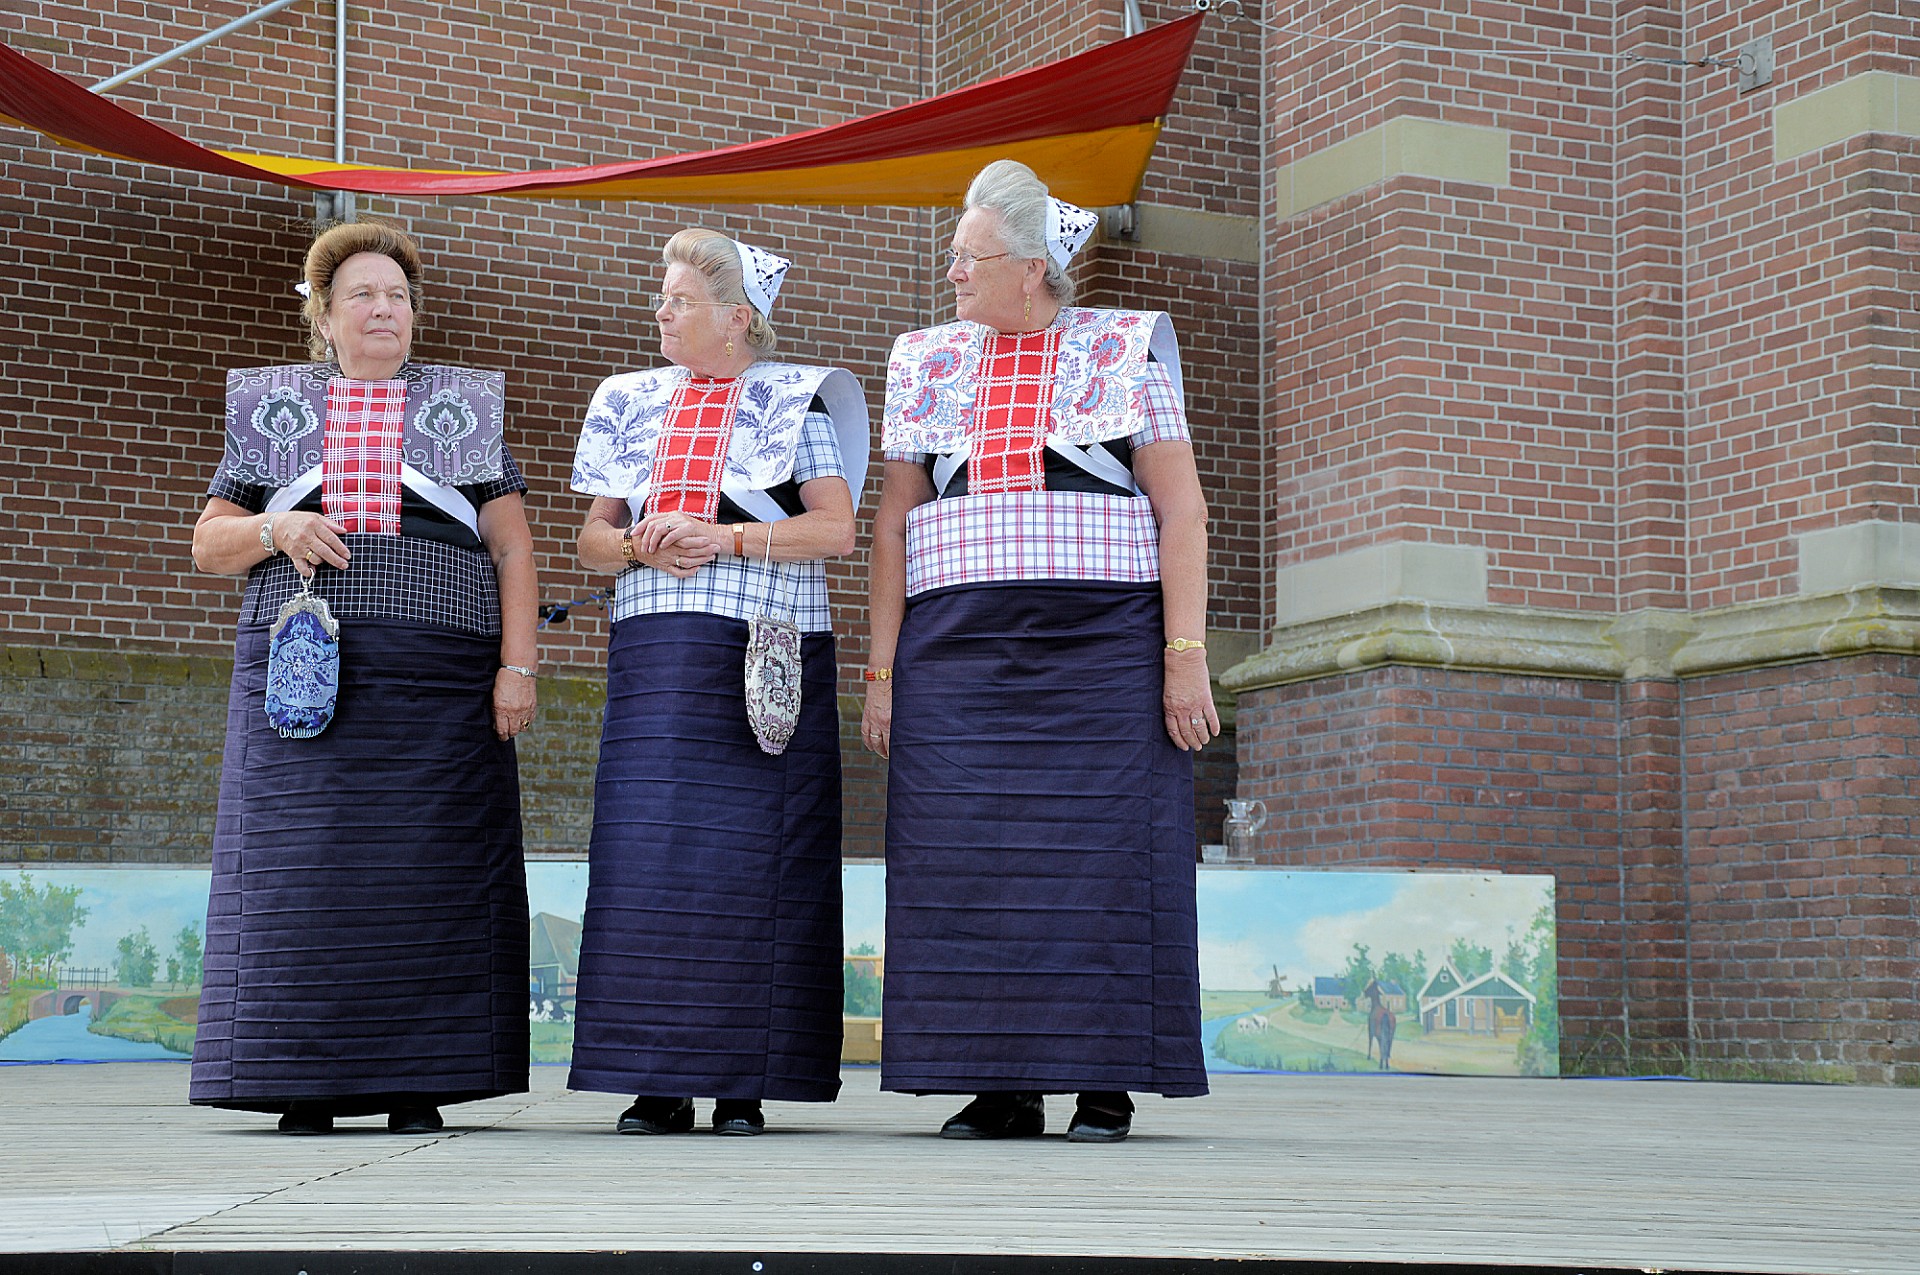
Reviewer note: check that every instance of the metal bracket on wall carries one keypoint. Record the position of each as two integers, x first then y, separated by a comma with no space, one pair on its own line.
1121,221
1756,63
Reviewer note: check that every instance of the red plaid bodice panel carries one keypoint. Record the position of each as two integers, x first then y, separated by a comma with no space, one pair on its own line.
360,454
1012,405
691,453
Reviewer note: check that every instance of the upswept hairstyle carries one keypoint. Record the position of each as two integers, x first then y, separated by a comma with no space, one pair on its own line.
1010,188
713,256
334,246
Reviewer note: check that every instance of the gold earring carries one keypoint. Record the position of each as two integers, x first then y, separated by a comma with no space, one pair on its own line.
1027,315
729,345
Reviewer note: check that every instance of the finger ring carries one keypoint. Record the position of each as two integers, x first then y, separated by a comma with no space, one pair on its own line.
1193,721
311,557
680,563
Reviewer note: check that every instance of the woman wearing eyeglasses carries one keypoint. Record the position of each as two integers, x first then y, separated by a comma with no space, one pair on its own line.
710,963
1038,680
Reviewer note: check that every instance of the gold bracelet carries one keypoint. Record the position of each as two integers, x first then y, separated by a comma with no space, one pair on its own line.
626,545
1178,645
879,675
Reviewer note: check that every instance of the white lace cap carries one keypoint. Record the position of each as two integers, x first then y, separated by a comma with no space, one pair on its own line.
1067,229
761,274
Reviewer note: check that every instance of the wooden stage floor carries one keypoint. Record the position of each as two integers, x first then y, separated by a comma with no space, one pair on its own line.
1283,1173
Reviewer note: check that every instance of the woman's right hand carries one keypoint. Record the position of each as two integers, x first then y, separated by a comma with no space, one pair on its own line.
876,722
309,539
675,543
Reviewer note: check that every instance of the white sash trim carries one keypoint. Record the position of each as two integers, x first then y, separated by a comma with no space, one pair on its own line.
1094,458
750,499
1098,461
295,492
447,500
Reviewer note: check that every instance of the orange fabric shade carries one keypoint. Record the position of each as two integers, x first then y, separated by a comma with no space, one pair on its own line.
1086,124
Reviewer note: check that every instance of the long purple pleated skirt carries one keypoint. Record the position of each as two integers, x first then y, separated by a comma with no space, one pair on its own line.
367,933
1041,926
710,963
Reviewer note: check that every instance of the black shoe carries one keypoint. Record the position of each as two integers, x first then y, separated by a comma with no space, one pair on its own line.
999,1115
415,1120
305,1123
657,1115
1101,1117
738,1117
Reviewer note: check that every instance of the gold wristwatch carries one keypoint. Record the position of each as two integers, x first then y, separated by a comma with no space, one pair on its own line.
1178,645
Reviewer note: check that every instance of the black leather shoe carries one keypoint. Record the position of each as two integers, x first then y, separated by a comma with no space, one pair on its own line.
1101,1117
305,1123
999,1115
657,1115
415,1120
738,1117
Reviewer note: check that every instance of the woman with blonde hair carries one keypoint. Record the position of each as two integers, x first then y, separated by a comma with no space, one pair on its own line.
1038,680
367,933
710,963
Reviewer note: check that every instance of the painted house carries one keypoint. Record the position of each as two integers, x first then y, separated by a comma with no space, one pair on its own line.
553,961
1330,993
1490,1005
1393,996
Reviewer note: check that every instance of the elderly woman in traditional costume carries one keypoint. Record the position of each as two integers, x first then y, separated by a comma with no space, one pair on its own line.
1038,679
710,964
367,934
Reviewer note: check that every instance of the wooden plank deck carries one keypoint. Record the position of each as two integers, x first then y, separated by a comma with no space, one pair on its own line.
1350,1170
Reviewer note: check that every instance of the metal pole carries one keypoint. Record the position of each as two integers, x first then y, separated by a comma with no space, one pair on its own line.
1131,22
342,200
114,82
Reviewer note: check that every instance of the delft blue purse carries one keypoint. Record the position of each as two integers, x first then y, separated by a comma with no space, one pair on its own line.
303,666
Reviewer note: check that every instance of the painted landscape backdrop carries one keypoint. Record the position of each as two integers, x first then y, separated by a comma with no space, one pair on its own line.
1301,971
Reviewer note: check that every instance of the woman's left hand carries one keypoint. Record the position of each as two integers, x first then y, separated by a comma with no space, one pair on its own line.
515,697
1187,699
692,543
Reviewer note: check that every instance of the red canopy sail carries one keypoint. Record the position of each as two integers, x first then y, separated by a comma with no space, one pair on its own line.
1087,124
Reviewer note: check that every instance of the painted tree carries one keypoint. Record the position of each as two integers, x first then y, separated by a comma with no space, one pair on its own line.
37,925
1538,1053
1471,959
187,950
138,960
1359,972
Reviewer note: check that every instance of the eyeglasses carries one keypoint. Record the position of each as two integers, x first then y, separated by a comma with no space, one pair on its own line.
680,305
954,259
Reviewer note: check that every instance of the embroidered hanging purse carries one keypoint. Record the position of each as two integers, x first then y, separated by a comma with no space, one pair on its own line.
303,666
773,673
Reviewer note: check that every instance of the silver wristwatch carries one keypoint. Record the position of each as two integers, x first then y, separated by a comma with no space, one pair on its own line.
266,537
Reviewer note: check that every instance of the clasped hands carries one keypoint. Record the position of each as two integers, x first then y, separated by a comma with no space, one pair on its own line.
676,543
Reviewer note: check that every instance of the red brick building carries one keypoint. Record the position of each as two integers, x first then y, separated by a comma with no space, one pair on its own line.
1556,405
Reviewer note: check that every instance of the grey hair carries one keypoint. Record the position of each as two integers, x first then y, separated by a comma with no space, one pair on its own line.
716,259
1010,188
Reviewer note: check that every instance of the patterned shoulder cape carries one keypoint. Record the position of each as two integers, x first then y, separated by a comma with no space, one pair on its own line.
276,419
1099,378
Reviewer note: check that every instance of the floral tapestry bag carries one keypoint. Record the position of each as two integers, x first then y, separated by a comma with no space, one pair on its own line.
773,671
303,666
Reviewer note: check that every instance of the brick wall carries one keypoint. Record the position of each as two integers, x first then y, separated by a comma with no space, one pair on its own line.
1634,373
1800,326
126,293
1803,885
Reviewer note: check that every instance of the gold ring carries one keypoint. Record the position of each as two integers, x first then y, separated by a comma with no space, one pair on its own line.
311,557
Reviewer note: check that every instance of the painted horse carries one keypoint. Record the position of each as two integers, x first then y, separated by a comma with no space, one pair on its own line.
1380,1025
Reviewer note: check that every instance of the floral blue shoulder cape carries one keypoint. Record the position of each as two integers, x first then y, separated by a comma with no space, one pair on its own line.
615,455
